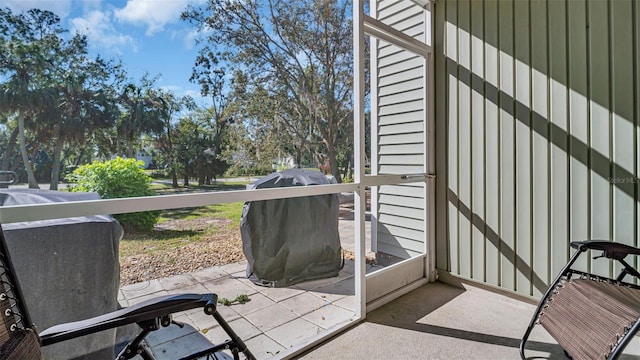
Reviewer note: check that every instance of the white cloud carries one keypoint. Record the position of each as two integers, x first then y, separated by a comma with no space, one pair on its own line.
58,7
193,35
155,14
190,39
197,97
98,27
172,88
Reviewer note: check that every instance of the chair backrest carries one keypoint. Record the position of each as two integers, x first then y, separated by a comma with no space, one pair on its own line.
18,339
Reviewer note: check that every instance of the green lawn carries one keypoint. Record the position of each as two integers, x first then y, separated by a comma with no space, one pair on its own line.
178,227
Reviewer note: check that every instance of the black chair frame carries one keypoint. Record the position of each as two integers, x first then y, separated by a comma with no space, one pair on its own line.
610,250
150,315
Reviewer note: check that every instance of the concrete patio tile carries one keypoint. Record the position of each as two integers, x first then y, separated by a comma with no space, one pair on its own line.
337,290
142,298
349,267
171,332
257,302
304,303
209,274
244,329
314,284
226,311
228,288
177,281
121,296
217,335
190,289
280,294
327,296
235,268
294,332
201,320
264,347
243,279
270,317
142,288
348,303
329,316
182,346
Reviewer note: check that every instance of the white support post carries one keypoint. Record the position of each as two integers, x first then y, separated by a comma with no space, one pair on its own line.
430,155
358,142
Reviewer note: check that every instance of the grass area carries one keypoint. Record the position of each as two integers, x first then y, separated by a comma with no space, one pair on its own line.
210,232
230,211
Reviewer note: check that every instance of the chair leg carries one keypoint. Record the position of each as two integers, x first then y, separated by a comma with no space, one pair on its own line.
235,344
240,345
137,347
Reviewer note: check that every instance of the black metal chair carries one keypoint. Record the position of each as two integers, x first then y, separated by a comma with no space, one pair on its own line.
591,316
19,339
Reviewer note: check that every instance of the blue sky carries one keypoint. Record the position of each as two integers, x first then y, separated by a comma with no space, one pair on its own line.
147,35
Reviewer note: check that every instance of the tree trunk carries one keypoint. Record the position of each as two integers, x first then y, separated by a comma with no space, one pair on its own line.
57,151
186,175
130,153
174,178
33,184
6,160
333,165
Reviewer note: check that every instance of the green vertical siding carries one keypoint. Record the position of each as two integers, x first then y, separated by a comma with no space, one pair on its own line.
537,113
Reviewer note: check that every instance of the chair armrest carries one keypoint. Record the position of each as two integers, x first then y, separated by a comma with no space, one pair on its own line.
611,250
149,309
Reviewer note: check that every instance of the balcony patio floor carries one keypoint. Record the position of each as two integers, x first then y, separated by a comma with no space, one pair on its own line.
273,320
441,321
436,321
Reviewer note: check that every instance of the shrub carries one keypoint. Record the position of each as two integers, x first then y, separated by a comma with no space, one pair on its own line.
118,178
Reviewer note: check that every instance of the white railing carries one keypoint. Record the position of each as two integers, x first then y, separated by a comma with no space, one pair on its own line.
32,212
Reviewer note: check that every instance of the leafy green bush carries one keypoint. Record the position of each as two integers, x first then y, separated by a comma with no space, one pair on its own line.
118,178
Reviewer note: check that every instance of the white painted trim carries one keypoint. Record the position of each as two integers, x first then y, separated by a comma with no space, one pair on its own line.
394,267
358,144
373,79
396,294
393,179
430,127
385,32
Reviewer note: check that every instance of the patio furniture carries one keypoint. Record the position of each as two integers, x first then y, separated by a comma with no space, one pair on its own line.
86,269
591,316
19,339
288,241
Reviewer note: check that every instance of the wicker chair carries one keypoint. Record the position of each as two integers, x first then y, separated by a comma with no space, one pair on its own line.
20,341
590,316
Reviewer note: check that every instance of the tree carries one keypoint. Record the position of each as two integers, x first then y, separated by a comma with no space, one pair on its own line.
165,140
256,142
301,49
28,43
143,112
208,73
86,99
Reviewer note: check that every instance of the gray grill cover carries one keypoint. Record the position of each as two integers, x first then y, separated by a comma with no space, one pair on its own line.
68,270
287,241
